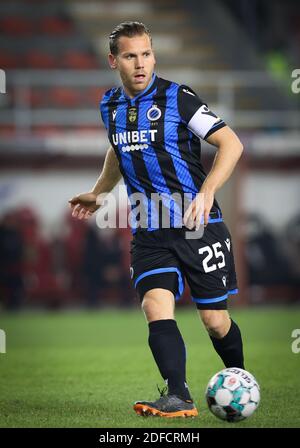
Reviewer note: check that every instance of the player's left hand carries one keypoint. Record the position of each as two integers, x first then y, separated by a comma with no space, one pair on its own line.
199,210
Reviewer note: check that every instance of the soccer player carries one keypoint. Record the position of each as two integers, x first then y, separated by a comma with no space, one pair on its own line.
154,127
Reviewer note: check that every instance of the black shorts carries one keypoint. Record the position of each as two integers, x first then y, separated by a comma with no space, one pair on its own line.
165,258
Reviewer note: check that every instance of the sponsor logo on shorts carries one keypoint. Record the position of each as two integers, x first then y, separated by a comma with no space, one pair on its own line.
227,242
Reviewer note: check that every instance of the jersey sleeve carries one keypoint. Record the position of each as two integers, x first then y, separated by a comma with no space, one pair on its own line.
103,106
196,114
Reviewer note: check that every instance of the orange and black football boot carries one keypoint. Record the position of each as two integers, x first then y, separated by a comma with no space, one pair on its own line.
167,405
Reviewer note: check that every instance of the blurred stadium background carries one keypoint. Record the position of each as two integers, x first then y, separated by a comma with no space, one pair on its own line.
237,55
82,364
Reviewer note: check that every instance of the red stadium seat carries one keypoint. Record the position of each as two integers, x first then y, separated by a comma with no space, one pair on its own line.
17,26
36,59
65,97
78,60
7,130
93,95
84,128
10,61
38,98
54,25
46,129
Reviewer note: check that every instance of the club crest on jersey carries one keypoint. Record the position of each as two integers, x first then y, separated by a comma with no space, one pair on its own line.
154,113
132,114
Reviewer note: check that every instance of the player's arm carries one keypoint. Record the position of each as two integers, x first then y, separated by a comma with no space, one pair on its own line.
85,204
206,125
228,153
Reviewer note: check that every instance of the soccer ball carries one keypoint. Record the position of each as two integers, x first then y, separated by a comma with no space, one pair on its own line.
232,394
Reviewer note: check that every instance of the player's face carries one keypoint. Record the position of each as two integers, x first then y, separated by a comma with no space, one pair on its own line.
135,62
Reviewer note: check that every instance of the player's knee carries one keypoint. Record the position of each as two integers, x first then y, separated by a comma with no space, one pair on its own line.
216,322
158,304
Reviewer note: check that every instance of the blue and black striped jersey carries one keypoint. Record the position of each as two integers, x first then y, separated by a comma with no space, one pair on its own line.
156,137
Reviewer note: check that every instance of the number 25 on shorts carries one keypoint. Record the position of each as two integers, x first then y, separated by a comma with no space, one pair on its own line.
214,251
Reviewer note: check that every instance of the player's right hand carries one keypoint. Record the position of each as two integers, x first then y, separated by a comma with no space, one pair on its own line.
84,205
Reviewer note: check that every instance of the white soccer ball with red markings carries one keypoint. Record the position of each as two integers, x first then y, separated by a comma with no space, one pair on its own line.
233,394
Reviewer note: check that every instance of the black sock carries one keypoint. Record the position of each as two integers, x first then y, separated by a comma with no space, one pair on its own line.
168,350
230,347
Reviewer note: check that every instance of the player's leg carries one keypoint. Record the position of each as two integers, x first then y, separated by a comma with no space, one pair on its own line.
225,336
216,322
224,332
157,278
165,340
208,266
168,349
158,304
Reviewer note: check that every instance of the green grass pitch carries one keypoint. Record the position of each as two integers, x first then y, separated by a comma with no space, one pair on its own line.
85,369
